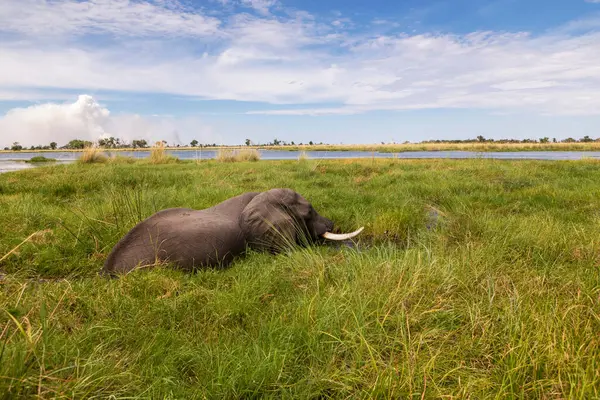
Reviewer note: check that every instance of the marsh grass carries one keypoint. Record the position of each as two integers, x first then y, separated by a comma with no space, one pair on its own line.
158,155
40,159
119,159
472,279
237,155
91,155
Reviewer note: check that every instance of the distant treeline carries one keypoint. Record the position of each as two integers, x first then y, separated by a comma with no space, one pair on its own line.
481,139
117,143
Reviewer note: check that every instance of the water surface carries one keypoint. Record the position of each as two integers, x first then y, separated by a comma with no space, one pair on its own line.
14,161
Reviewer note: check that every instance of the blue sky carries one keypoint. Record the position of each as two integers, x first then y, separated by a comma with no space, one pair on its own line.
298,70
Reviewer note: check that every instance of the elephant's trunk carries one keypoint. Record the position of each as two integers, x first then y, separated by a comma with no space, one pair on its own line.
343,236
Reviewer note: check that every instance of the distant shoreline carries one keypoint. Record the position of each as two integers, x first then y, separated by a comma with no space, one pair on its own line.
383,148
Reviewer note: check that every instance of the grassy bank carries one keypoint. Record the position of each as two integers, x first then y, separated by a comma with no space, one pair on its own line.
473,279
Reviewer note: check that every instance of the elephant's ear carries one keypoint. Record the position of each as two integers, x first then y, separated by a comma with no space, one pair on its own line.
275,220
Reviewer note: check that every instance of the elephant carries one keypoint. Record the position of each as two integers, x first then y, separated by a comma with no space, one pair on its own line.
190,239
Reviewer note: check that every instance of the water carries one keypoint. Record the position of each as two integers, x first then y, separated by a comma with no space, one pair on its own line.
14,161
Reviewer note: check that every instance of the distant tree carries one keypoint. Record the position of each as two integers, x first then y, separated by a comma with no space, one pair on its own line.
248,142
16,146
194,143
310,143
569,140
276,142
111,143
78,144
6,148
292,143
141,143
553,140
544,140
480,138
586,139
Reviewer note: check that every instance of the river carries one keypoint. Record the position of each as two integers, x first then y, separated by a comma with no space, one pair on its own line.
15,160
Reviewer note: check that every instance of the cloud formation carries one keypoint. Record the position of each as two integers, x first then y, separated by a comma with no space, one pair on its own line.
118,17
85,119
289,57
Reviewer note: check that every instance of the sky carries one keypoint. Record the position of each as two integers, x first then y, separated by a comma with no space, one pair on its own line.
332,71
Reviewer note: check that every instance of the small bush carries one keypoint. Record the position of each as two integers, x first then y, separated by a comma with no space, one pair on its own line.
40,159
228,155
92,155
158,155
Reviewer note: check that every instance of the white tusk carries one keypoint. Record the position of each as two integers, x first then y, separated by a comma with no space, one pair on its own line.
343,236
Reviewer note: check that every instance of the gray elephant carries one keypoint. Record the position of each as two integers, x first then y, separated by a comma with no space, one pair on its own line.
213,237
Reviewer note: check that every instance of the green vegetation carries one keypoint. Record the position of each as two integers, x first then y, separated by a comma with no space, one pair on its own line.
472,279
40,159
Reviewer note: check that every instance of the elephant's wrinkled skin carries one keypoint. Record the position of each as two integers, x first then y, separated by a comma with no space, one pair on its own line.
214,236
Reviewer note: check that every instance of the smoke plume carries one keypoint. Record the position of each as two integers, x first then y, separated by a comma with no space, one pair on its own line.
85,119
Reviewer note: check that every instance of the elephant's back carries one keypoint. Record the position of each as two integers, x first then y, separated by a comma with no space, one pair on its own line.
187,237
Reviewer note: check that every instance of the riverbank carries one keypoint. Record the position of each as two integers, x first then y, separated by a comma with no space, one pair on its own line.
473,277
385,148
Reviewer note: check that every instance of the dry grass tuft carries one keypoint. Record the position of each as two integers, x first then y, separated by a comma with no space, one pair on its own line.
158,155
230,155
303,156
92,155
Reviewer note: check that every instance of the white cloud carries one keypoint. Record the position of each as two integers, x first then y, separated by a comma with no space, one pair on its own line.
522,85
118,17
296,59
262,6
87,120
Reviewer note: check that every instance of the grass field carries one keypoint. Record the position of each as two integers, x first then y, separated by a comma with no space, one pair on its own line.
472,279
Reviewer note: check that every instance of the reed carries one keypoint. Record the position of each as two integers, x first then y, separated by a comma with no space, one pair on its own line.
91,155
158,155
237,155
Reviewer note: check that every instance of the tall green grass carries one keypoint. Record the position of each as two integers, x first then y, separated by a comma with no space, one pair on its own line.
472,279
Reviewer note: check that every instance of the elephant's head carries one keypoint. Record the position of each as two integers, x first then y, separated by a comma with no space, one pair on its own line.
275,219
